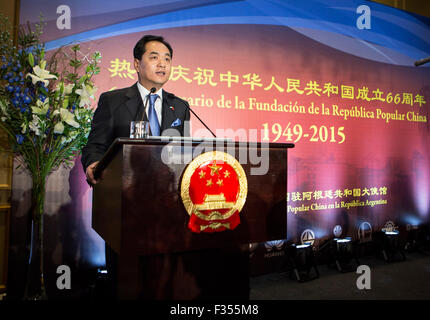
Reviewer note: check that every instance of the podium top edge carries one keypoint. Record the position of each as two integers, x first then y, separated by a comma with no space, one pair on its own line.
186,141
195,141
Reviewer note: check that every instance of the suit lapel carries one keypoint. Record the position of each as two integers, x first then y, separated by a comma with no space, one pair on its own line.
134,103
168,115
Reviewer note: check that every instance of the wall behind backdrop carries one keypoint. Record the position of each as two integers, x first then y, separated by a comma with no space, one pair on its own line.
334,77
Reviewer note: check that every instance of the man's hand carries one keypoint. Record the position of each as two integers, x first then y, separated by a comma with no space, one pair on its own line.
90,173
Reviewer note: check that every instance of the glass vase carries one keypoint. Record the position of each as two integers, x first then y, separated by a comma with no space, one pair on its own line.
35,282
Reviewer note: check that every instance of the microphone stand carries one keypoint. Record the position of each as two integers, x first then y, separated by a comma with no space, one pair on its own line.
201,121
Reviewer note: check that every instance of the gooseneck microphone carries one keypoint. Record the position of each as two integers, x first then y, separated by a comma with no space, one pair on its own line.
153,89
191,110
422,61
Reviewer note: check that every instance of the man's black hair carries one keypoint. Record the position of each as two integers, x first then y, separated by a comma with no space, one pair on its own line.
139,48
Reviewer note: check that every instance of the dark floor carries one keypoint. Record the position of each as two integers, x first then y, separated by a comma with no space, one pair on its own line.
409,279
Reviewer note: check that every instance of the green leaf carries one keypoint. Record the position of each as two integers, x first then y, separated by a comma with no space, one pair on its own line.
61,87
84,77
31,59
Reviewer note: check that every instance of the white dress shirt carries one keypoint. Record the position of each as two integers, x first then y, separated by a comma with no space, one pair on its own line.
158,103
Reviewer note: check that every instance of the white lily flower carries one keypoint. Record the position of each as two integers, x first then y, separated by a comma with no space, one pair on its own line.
68,117
39,102
58,86
41,75
86,93
73,134
3,108
42,107
77,114
66,89
69,88
33,125
59,128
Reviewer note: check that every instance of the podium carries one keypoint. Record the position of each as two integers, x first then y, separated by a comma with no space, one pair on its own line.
138,211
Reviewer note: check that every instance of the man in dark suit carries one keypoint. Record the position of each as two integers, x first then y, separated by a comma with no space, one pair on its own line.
116,109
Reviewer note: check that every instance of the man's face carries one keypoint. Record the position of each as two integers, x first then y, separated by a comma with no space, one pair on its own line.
154,67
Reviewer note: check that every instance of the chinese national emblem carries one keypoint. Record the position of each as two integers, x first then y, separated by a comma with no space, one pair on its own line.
213,190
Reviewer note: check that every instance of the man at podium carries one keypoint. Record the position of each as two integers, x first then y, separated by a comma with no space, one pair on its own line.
166,113
144,100
214,271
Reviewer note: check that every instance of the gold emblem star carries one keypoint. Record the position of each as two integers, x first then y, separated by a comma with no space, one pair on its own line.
202,174
214,168
209,182
226,174
219,182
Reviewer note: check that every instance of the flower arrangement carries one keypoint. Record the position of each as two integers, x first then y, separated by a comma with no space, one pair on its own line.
45,108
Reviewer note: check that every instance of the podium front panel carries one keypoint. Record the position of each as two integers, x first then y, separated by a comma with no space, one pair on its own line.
153,219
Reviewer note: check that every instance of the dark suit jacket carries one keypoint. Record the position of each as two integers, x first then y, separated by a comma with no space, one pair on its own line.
117,108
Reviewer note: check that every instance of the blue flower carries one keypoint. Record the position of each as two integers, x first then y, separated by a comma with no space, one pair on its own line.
19,138
10,88
42,97
15,102
26,99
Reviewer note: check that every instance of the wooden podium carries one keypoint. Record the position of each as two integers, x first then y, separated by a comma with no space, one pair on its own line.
138,211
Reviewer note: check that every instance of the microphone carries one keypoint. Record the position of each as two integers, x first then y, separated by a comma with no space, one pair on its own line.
422,61
153,89
186,106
